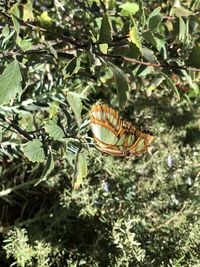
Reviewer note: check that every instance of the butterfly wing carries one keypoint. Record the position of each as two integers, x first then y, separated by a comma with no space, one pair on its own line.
116,136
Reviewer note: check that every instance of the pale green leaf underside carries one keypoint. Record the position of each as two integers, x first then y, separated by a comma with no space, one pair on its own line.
76,105
81,169
33,151
54,130
10,82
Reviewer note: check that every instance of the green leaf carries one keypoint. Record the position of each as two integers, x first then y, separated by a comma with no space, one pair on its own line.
129,9
76,105
54,130
15,14
133,51
171,84
105,30
48,168
28,11
134,35
141,14
121,84
10,82
154,84
72,67
103,48
155,12
149,37
194,58
81,169
182,30
149,55
33,151
25,44
154,22
45,20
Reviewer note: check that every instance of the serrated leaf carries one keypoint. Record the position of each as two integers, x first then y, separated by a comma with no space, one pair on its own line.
105,30
72,67
33,151
76,105
194,58
129,9
122,85
134,35
10,82
81,170
54,130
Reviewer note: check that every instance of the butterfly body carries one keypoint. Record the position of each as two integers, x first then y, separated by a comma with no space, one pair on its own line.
116,136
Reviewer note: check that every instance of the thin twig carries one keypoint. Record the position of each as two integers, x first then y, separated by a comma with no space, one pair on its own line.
16,127
147,63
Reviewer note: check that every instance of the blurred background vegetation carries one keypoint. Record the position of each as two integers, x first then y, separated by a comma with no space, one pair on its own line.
64,203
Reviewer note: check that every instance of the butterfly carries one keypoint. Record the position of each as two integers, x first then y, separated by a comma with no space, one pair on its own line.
116,136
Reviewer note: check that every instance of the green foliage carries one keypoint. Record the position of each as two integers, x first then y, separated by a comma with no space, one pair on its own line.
64,203
33,151
10,82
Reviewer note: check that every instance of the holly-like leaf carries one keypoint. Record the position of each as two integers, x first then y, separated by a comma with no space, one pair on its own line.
10,82
33,151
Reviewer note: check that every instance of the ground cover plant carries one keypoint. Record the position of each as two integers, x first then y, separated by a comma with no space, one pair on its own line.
63,202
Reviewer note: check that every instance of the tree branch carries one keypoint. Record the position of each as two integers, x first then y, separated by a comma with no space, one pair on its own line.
16,127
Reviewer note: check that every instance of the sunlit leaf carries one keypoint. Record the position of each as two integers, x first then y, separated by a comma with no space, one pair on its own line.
28,11
129,9
72,67
10,82
45,20
81,170
33,151
15,14
76,105
134,35
54,130
149,55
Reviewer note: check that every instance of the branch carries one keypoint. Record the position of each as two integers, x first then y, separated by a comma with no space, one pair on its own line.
158,65
16,127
